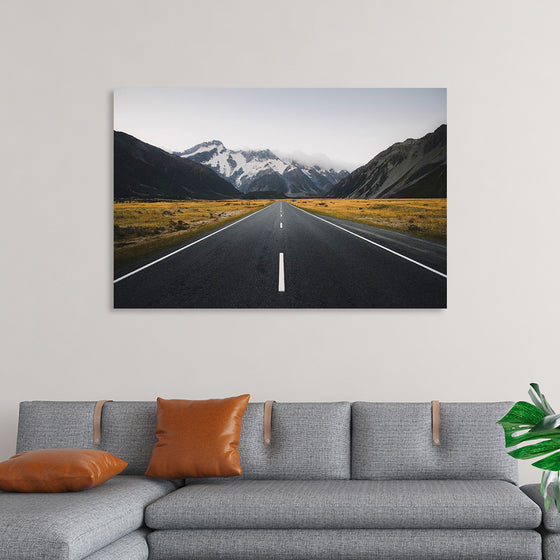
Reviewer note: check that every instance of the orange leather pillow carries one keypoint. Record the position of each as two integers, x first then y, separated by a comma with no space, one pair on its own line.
197,438
58,470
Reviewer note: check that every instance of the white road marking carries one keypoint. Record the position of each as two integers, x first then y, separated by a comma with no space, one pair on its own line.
281,273
374,243
186,246
281,225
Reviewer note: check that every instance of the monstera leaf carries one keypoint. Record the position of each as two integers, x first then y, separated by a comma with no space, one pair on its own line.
533,430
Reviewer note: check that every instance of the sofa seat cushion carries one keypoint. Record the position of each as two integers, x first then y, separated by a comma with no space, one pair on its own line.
345,504
73,525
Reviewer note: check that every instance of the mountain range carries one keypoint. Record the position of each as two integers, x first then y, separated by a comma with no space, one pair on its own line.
415,168
143,171
253,171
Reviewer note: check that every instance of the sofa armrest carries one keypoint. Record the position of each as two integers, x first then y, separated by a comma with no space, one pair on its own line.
551,518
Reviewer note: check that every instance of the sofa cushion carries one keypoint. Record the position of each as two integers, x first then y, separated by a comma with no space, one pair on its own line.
345,504
127,428
51,424
368,544
72,525
310,441
394,441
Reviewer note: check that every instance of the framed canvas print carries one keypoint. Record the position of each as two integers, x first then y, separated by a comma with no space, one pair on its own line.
280,198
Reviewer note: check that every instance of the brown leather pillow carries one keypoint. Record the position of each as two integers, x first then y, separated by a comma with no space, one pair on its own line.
197,438
58,470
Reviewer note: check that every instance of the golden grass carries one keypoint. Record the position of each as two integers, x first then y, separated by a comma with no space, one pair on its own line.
144,228
424,217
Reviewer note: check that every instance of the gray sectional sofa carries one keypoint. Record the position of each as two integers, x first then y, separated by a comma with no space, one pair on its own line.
339,481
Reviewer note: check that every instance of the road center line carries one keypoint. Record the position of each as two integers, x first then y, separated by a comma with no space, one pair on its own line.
281,273
374,243
187,246
281,225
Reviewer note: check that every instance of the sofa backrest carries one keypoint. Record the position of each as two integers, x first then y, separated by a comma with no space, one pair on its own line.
309,440
394,441
127,428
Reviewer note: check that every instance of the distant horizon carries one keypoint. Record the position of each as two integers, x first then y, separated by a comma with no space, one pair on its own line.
338,128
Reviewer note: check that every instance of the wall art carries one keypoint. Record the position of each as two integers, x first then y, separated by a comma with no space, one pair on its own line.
280,198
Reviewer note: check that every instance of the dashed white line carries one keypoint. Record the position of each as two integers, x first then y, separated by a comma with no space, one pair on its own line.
186,246
281,287
376,244
281,226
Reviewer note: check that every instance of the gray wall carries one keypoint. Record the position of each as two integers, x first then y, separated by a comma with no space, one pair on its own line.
61,340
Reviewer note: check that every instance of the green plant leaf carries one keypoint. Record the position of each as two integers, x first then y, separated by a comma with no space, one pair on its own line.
519,420
547,478
539,399
547,406
549,422
522,414
512,440
524,423
553,493
535,450
550,463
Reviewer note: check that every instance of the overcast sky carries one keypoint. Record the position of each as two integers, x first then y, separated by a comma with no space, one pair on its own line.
346,126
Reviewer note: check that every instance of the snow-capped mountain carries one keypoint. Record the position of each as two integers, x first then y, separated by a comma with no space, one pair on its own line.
253,171
415,168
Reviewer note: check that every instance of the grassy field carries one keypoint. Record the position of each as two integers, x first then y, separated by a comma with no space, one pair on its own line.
144,228
425,217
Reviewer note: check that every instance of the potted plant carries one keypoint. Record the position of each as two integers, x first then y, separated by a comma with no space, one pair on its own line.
533,430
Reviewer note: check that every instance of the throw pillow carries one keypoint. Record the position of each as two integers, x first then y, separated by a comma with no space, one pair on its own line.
197,438
58,470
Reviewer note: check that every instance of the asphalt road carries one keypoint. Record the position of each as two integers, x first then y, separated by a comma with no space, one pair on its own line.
284,257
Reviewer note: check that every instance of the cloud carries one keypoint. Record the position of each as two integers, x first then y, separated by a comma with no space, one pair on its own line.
322,160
